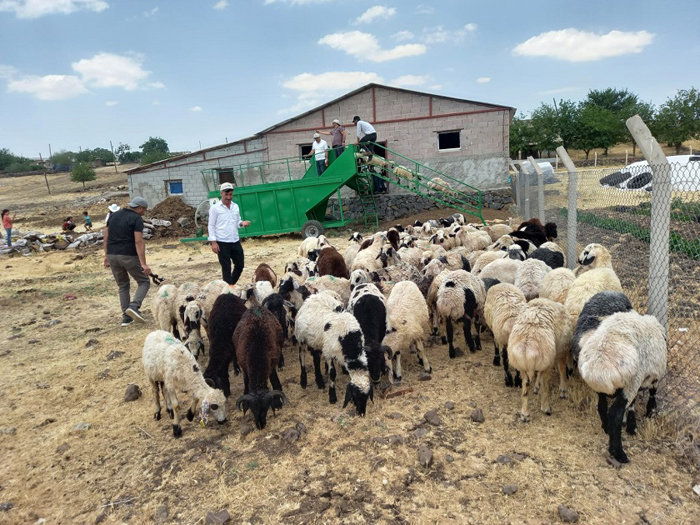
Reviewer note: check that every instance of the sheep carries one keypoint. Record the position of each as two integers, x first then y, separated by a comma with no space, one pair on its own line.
556,285
264,272
461,297
550,253
308,331
403,172
388,257
428,274
496,231
368,258
409,322
504,302
411,255
297,266
310,244
593,256
258,340
456,260
393,237
352,248
625,353
343,343
442,239
397,272
502,243
209,293
540,338
529,276
163,308
531,230
223,319
328,282
437,184
189,313
472,240
502,269
170,368
261,290
484,259
331,262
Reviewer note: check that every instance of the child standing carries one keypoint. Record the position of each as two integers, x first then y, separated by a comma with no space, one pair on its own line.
7,224
88,221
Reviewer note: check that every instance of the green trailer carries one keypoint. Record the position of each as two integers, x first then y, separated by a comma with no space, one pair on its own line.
299,204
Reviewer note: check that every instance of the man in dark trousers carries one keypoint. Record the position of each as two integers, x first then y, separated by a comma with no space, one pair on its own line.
366,137
125,254
224,221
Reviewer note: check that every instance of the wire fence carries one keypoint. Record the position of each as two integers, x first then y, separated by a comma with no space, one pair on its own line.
614,208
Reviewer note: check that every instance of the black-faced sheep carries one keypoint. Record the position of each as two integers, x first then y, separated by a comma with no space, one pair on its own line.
171,368
258,340
223,319
625,353
461,297
331,262
178,310
549,253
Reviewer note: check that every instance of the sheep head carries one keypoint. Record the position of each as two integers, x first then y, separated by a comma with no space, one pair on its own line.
358,397
595,256
378,359
192,314
516,252
259,403
357,237
213,404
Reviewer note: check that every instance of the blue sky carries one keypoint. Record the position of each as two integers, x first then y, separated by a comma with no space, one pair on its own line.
79,73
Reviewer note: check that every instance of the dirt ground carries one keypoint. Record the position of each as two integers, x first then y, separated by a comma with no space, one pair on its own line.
66,361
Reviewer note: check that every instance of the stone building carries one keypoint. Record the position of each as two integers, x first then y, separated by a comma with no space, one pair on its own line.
465,139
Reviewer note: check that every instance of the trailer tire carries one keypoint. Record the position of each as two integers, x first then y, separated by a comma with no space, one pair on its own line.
312,229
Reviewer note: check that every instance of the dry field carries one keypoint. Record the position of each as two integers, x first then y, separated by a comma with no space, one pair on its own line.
66,361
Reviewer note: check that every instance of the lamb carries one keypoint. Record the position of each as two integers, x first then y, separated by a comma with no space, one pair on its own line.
331,262
328,282
540,338
310,244
189,313
529,277
171,368
403,172
264,272
484,259
550,253
409,322
388,257
223,320
461,297
163,310
258,340
504,302
368,258
437,184
442,239
352,248
556,285
626,352
456,259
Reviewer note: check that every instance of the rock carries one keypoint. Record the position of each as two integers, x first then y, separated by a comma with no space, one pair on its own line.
42,385
104,374
54,322
394,415
421,432
6,506
60,449
477,416
45,422
425,377
396,439
504,460
218,518
8,431
432,417
291,435
46,312
161,514
696,489
114,354
509,490
5,352
33,341
449,405
159,222
133,392
449,458
92,330
380,440
518,457
425,456
245,428
91,342
184,222
80,427
567,515
301,427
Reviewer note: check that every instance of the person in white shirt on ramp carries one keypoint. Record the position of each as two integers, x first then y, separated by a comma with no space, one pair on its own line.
319,149
224,221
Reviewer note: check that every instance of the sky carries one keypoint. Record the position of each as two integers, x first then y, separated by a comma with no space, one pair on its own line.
198,73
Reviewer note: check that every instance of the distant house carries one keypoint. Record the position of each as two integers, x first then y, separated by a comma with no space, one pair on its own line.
467,140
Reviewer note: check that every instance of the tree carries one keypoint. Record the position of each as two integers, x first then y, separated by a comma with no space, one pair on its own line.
125,155
598,128
63,157
82,172
556,126
522,137
678,118
6,158
154,149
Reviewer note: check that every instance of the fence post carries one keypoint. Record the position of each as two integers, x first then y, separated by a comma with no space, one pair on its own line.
660,218
540,189
571,220
524,180
515,187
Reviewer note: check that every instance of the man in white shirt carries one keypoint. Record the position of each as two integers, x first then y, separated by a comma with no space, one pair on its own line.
224,221
319,149
366,137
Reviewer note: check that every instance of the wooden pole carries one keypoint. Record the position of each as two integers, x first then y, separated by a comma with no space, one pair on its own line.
114,157
45,177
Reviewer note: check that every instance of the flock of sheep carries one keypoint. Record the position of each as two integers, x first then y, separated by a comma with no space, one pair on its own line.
393,293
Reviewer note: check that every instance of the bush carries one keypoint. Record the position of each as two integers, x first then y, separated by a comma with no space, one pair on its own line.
82,173
154,156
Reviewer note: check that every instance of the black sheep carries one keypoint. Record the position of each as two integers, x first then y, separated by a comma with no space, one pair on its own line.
370,312
551,258
225,315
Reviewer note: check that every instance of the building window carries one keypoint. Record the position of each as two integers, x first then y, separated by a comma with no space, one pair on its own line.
226,176
304,149
448,140
175,187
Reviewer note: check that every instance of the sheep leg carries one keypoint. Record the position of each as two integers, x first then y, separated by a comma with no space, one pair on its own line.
504,355
468,333
450,338
615,415
477,335
525,411
424,357
631,423
496,356
246,382
280,363
517,381
156,399
276,385
192,410
302,363
603,410
543,379
538,381
177,429
168,402
651,404
396,360
562,378
332,398
320,383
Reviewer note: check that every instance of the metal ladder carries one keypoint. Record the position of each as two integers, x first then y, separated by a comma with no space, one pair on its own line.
365,187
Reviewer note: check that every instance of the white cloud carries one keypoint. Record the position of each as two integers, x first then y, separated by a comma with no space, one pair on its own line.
557,91
155,85
402,36
439,35
471,27
49,87
374,13
111,103
151,12
195,109
108,70
38,8
409,80
315,89
221,4
364,46
424,10
574,45
7,71
483,80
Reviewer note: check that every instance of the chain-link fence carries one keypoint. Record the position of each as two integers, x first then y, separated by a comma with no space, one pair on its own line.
614,207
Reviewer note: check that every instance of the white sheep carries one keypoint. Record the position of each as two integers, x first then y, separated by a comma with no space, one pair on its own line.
626,352
470,238
163,310
208,294
328,282
261,290
502,243
504,270
541,337
174,313
409,324
368,258
486,258
170,369
461,297
504,302
352,248
529,277
411,255
556,285
496,231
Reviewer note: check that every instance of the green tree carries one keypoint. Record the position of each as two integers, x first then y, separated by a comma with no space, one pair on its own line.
63,157
598,128
154,149
678,119
556,125
125,155
6,158
82,172
522,137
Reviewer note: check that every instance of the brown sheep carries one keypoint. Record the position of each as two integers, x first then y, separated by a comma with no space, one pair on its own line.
265,273
331,262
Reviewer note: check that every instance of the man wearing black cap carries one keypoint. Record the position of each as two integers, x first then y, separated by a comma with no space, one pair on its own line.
125,254
366,137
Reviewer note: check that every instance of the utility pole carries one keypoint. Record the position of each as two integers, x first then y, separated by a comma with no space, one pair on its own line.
45,177
113,157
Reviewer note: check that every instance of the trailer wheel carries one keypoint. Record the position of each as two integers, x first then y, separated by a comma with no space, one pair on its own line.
312,229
